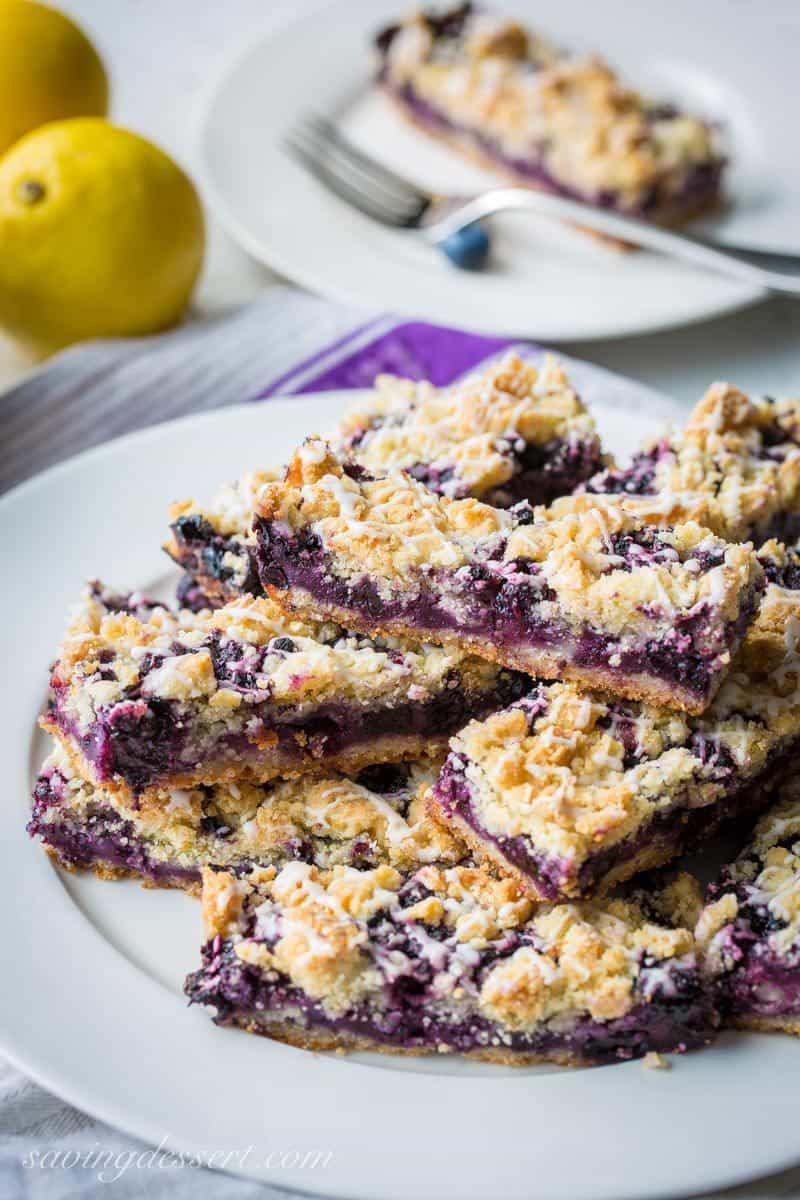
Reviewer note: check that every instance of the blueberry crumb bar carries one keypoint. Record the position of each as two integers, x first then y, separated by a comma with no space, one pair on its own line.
510,431
444,960
214,544
153,698
171,834
490,88
574,791
734,467
750,927
584,590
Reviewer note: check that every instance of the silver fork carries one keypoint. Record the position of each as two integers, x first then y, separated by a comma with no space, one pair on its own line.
452,223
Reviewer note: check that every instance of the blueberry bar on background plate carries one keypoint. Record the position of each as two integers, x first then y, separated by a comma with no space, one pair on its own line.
734,467
170,835
575,791
750,927
249,692
486,86
582,591
510,431
445,960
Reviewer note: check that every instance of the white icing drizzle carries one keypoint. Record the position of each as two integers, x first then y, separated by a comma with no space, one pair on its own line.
179,800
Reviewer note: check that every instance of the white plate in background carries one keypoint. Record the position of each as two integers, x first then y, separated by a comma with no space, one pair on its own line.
733,61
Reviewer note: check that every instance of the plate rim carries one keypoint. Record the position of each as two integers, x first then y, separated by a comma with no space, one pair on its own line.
129,985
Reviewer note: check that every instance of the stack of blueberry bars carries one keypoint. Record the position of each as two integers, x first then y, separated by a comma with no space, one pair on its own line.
438,703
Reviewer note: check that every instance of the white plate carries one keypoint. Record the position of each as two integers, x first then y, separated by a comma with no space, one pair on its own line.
546,282
91,1002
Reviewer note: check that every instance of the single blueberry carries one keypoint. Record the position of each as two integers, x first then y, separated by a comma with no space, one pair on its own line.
284,643
192,527
522,514
468,248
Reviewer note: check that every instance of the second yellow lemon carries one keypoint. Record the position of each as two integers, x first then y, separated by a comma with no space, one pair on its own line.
48,70
101,234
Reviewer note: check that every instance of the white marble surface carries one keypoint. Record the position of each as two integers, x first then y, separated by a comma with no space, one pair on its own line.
164,56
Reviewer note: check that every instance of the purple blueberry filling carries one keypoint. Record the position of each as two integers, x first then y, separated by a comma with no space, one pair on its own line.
636,480
544,472
143,740
501,602
760,979
102,837
761,983
207,556
670,1009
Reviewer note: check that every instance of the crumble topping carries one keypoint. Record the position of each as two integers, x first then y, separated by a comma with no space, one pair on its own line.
378,818
679,901
590,132
230,510
761,889
654,1061
468,437
486,943
605,565
734,467
388,525
247,652
574,771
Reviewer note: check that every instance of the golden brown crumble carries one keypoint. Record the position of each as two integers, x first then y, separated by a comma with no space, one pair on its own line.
230,511
723,468
397,531
600,135
576,958
325,662
467,427
329,818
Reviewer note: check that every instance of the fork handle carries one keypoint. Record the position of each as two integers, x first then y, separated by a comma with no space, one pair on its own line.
737,265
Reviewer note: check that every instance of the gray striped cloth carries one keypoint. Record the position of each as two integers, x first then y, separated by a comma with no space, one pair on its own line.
285,342
98,391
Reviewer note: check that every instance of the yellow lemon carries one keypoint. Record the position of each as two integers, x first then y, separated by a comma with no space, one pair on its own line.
48,70
101,235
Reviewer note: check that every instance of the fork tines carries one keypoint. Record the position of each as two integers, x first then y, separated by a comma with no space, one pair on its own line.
355,176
